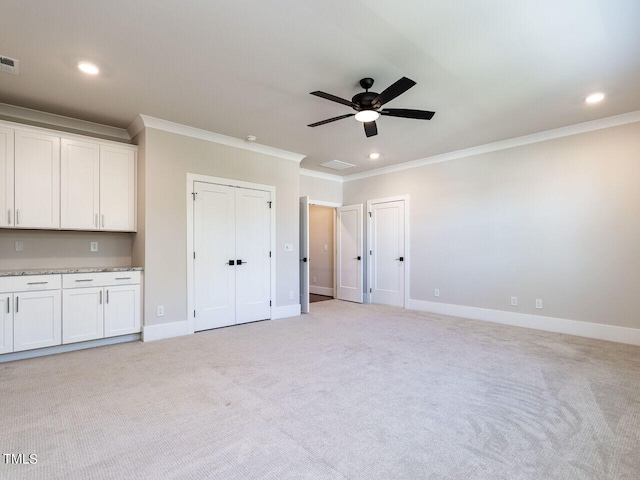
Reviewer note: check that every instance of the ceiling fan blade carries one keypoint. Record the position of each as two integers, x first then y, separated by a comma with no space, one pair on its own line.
407,113
393,91
370,129
329,120
333,98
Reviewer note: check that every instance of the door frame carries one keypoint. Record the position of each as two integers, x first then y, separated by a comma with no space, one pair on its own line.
334,206
407,253
196,177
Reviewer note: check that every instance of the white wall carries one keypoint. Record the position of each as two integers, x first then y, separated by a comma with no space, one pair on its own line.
325,189
555,220
167,158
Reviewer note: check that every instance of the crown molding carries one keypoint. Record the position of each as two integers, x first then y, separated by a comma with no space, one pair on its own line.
145,121
322,175
37,118
576,129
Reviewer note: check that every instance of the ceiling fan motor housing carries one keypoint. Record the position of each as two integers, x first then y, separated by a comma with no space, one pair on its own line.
364,101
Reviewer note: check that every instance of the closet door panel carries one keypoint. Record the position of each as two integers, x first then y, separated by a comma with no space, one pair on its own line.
253,284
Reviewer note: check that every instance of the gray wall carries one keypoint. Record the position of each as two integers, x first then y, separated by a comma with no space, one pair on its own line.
62,249
166,159
555,220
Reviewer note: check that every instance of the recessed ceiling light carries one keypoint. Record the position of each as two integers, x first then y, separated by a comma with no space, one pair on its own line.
88,68
374,156
367,116
595,97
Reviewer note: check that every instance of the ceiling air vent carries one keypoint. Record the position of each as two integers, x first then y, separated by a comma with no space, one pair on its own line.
9,65
337,165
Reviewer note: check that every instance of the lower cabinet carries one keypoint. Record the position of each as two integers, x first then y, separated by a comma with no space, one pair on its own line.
100,305
31,312
39,311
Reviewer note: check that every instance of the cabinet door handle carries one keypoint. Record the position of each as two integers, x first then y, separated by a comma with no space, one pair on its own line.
107,296
37,283
85,280
18,216
8,300
97,224
17,304
100,297
123,278
9,217
103,220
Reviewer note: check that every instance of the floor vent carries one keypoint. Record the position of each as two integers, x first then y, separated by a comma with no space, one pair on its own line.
337,165
9,65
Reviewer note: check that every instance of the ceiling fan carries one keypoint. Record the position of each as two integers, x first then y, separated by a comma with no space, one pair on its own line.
367,105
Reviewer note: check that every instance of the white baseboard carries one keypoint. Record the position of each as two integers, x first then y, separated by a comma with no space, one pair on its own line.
550,324
315,289
285,311
164,330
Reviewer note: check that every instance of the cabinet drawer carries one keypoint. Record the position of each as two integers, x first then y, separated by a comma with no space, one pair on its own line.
26,283
99,279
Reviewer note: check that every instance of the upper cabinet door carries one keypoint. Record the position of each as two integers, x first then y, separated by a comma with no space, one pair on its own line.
37,180
79,185
117,188
6,178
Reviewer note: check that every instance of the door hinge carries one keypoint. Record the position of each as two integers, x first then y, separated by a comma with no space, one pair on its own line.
370,252
194,314
194,255
370,290
369,214
194,195
269,202
269,253
269,302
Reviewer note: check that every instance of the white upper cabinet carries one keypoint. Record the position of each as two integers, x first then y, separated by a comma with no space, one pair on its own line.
6,177
117,188
64,181
37,180
79,185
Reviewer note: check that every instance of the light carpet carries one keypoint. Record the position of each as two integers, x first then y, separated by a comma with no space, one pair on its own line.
346,392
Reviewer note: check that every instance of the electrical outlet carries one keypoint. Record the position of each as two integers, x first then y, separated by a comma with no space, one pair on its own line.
291,295
514,301
94,246
538,303
326,247
19,246
436,292
161,310
314,280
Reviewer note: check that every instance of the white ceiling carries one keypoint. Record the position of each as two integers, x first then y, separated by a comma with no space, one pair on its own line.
491,69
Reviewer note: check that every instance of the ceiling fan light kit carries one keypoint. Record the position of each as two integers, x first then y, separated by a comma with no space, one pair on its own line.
368,105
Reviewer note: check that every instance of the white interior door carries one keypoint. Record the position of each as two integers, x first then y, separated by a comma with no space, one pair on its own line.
214,250
253,264
304,254
349,238
387,231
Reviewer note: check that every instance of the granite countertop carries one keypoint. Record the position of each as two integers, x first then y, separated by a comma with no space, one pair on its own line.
54,271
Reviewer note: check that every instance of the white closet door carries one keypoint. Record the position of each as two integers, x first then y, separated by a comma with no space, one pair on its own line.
387,259
253,264
350,229
214,248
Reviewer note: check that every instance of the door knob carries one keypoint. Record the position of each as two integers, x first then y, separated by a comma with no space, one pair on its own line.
358,258
304,260
232,262
400,258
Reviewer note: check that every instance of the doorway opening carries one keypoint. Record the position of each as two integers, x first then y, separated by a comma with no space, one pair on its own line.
321,253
